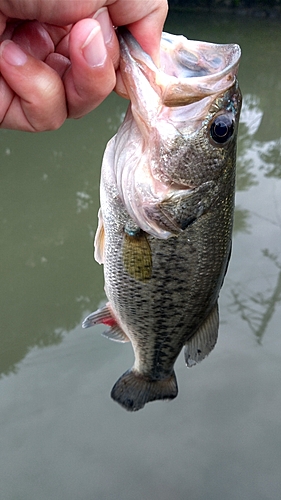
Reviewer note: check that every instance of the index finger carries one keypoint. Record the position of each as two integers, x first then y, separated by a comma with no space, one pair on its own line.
144,19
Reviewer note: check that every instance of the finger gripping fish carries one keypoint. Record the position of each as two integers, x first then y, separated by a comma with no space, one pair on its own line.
167,200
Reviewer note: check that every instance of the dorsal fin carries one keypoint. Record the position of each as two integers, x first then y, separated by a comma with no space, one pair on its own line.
204,340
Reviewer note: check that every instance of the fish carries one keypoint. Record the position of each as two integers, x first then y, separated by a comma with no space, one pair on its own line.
166,209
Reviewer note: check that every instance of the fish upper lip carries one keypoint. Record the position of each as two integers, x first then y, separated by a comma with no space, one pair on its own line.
174,89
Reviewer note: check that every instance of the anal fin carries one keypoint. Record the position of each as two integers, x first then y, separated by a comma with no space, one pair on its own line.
116,334
133,390
204,340
104,316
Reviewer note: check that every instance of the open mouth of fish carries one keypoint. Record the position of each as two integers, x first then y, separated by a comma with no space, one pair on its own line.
189,70
168,102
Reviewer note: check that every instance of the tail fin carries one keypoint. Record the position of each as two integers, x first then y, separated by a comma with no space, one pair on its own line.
133,390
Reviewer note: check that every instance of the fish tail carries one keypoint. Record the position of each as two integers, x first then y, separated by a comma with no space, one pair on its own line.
133,390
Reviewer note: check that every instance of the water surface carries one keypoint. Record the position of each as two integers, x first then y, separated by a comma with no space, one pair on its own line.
61,436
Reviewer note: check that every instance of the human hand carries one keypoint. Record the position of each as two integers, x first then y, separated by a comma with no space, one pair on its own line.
63,63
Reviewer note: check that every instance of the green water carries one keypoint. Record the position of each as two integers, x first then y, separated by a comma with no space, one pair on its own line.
61,436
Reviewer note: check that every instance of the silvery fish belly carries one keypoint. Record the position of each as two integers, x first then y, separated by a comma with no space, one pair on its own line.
167,199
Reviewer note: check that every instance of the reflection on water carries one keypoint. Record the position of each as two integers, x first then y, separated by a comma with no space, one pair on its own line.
257,310
221,438
259,160
257,306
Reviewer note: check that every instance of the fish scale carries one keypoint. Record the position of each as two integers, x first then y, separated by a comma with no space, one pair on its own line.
167,201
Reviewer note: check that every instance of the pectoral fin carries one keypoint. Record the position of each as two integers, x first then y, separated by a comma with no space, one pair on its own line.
104,316
137,257
204,340
99,240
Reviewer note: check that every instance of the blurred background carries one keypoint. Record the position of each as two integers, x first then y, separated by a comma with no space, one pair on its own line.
61,436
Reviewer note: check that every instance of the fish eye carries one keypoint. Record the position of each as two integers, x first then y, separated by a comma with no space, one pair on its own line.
222,128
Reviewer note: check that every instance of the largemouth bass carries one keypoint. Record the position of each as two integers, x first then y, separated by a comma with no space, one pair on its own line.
167,201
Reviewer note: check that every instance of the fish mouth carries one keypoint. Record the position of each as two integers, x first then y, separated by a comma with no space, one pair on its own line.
169,105
189,70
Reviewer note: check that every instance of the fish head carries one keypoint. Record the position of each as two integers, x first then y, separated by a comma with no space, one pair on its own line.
181,124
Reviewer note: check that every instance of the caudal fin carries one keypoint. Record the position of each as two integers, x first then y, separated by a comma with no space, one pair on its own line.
133,390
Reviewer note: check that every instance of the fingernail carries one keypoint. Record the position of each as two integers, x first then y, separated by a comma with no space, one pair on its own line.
94,49
12,53
103,19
